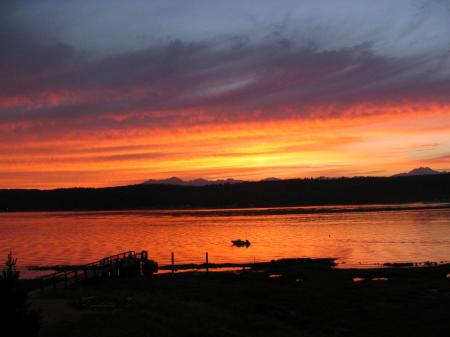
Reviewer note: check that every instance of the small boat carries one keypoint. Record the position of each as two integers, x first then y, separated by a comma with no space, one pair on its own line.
241,243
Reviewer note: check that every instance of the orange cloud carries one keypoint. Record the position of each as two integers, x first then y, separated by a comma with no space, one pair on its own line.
382,143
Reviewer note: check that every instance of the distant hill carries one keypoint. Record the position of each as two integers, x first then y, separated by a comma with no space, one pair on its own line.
271,179
293,192
421,171
196,182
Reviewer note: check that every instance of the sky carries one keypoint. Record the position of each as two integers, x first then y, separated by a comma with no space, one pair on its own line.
104,93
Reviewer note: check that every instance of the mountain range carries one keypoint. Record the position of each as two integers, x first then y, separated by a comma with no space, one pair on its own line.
420,171
196,182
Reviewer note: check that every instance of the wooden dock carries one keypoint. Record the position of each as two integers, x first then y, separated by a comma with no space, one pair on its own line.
122,264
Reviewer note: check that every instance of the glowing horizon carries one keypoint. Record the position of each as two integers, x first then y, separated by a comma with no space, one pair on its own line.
267,96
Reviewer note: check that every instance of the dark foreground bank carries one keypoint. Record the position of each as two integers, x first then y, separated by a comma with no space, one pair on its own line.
277,299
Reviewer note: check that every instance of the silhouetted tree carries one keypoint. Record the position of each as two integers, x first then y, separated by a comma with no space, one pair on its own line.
16,318
358,190
10,275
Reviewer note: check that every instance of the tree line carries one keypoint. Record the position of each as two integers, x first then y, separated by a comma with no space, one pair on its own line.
358,190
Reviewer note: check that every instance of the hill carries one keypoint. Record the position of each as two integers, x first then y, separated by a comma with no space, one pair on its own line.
358,190
195,182
420,171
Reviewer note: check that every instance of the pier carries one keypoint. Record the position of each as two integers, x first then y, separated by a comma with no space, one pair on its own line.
122,264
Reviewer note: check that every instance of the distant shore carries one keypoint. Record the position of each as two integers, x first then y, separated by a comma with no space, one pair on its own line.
279,210
265,194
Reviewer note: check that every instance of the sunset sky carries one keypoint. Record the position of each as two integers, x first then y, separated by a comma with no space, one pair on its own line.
104,93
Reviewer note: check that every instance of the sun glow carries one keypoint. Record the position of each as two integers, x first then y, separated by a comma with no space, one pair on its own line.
379,144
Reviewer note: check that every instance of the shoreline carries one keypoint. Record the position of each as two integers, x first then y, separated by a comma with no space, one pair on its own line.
330,263
282,298
260,210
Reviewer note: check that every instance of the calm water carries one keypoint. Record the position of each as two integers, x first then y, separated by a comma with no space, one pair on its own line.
372,236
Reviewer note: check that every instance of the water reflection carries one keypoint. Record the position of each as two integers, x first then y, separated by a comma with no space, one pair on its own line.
354,237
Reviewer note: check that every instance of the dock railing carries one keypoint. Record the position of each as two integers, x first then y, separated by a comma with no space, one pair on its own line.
114,265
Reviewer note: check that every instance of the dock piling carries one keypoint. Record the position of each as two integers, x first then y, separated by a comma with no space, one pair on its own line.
173,262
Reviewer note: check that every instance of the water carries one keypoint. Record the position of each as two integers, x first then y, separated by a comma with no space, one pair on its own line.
354,234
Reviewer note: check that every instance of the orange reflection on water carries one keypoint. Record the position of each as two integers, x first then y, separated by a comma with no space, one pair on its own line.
354,237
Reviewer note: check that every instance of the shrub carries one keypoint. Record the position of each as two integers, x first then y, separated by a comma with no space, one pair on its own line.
16,318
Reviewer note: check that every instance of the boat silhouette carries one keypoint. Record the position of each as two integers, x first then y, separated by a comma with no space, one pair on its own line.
241,243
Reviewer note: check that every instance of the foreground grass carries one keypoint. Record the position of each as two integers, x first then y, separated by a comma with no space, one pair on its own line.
297,302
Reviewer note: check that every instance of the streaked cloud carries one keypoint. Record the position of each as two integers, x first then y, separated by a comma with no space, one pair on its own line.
196,88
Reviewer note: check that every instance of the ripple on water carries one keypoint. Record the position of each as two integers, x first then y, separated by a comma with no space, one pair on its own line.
371,237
